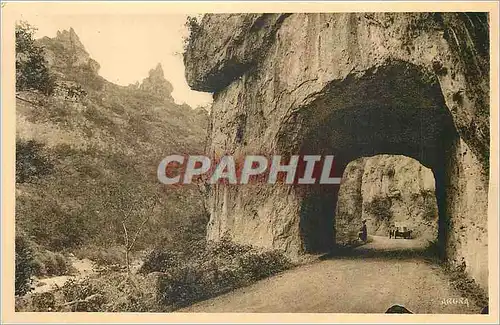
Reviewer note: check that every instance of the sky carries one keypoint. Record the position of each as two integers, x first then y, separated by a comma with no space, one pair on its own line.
128,46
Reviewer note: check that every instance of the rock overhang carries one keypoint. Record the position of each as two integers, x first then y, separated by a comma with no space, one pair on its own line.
334,47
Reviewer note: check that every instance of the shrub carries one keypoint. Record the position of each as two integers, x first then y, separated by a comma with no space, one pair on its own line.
429,209
221,267
251,265
47,263
102,256
259,266
52,223
226,248
44,301
192,24
93,303
31,162
84,295
69,230
87,75
465,284
433,249
159,261
78,290
24,265
380,207
184,286
70,91
194,28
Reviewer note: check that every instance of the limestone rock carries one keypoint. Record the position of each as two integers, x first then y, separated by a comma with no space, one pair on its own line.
230,44
353,85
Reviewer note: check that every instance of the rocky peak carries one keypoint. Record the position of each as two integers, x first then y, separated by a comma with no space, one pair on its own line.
157,85
67,51
70,40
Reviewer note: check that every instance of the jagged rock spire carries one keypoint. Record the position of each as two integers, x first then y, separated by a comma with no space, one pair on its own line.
156,84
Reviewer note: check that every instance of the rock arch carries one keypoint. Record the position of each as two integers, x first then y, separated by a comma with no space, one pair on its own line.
419,82
396,108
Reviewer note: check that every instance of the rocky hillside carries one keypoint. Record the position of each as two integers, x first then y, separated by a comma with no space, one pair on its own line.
87,157
384,190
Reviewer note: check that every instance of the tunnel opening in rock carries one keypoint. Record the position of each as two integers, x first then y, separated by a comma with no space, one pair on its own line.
394,109
395,196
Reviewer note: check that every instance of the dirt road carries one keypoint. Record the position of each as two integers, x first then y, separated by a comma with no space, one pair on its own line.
369,282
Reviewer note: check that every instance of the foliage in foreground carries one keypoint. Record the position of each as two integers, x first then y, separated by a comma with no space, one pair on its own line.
168,280
219,268
33,260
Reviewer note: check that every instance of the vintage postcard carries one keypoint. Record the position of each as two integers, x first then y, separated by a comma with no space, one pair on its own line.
212,162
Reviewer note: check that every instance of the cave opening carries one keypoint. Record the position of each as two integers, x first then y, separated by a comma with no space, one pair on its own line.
393,109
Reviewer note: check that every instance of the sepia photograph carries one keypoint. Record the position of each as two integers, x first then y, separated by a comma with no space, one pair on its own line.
253,161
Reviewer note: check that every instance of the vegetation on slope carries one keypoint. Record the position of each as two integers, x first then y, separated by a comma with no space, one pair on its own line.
87,154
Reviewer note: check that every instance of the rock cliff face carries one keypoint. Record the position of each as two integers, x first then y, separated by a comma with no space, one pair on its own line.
353,85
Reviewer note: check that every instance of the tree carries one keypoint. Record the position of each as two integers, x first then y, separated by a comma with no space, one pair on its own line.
124,199
32,72
131,240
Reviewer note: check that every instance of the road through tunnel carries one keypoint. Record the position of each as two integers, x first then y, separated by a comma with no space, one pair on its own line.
395,109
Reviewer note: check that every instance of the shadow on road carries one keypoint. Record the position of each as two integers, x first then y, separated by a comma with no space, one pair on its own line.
381,247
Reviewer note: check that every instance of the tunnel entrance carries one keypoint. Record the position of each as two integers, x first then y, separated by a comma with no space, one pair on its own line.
393,109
